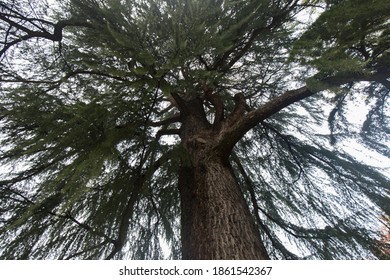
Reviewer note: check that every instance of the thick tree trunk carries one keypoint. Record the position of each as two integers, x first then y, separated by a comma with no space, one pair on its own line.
216,222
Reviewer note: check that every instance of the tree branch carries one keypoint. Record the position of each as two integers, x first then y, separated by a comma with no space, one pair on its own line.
256,210
129,209
240,49
174,131
385,83
234,132
238,111
216,101
86,250
168,121
56,36
19,79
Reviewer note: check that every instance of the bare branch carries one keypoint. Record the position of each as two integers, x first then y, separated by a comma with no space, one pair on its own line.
56,36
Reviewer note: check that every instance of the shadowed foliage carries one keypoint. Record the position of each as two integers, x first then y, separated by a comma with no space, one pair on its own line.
212,129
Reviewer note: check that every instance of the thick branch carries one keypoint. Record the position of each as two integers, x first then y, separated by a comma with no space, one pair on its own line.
56,36
168,121
216,101
239,110
173,131
180,103
233,133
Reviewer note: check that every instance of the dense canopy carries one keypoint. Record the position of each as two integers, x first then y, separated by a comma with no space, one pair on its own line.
120,121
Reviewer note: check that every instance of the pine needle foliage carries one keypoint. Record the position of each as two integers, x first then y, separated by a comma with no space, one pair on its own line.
90,143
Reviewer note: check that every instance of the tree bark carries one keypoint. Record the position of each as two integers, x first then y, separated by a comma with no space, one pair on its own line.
216,221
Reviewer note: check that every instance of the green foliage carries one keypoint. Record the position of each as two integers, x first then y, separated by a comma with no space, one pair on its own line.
347,37
85,164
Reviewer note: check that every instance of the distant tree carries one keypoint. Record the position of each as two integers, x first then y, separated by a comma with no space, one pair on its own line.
130,125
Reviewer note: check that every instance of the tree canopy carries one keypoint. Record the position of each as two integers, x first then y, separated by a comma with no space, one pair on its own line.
94,95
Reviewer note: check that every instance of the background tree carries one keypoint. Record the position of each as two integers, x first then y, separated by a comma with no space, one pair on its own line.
130,125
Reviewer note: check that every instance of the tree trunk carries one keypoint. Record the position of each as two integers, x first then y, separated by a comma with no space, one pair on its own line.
216,221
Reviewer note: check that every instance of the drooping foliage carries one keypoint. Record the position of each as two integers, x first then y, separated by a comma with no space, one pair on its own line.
90,144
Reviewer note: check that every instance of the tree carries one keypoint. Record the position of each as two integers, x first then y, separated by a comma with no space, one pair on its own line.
127,125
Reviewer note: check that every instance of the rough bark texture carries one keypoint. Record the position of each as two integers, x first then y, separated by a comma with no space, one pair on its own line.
216,221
